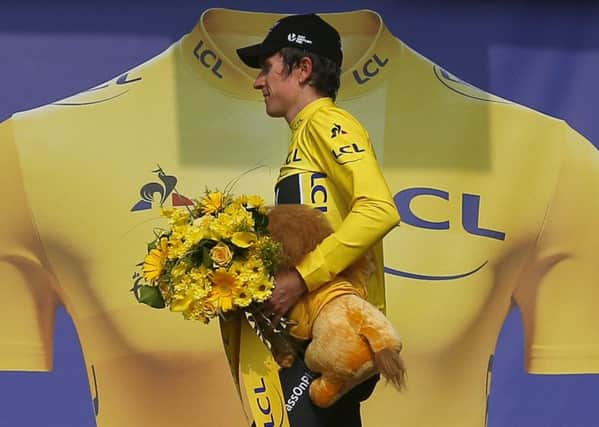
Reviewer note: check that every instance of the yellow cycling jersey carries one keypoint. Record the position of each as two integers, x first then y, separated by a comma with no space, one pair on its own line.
331,165
497,203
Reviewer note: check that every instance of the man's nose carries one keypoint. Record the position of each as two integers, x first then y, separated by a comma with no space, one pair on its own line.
259,82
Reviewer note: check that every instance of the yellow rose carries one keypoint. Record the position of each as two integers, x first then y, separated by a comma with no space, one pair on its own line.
221,254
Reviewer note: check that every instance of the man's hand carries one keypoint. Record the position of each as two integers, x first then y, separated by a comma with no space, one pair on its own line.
289,288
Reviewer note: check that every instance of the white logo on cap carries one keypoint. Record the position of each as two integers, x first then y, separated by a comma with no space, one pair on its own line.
298,38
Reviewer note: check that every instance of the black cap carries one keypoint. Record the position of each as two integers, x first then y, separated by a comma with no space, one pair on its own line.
308,32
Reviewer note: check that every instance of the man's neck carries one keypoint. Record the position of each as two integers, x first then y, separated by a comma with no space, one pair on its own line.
305,97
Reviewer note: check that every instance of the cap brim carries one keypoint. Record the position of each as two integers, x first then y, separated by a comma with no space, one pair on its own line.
251,55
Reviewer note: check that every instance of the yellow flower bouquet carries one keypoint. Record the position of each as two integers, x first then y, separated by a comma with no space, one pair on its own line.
215,257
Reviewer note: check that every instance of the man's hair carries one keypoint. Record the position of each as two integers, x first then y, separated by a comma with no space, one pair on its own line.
325,77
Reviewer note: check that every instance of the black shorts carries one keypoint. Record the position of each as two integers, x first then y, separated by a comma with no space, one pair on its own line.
346,411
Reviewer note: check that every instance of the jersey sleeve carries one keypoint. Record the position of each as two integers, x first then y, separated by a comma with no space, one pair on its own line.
559,293
348,159
28,301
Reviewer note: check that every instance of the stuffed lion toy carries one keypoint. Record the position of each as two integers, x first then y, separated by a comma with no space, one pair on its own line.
351,340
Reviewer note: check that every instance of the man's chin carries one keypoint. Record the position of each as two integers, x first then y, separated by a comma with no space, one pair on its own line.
274,113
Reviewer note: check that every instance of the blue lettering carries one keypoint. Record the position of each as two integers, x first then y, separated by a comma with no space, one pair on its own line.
404,198
357,149
260,389
293,156
470,212
367,72
122,80
359,78
378,60
370,69
202,55
348,149
265,410
316,189
471,216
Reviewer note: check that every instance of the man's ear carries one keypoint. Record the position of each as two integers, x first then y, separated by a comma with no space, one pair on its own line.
304,69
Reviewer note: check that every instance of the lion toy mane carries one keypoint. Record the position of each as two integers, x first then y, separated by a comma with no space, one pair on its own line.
351,340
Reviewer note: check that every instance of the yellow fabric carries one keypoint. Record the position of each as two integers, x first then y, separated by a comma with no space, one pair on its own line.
333,167
27,280
306,310
73,171
340,175
260,377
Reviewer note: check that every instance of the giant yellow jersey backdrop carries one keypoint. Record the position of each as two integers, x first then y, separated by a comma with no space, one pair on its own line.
498,203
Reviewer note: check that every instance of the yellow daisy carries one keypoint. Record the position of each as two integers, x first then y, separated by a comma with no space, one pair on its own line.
193,235
244,297
237,268
196,312
261,290
155,260
180,269
222,227
223,290
176,216
212,202
254,265
255,201
241,200
199,277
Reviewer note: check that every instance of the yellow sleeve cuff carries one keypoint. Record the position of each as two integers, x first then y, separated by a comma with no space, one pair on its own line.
313,270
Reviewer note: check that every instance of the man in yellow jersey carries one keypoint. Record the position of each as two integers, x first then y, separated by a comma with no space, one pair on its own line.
300,62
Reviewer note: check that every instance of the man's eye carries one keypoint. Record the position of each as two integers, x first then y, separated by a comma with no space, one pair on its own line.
265,67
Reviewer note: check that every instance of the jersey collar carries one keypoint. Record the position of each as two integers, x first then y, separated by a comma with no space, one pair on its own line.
370,51
305,113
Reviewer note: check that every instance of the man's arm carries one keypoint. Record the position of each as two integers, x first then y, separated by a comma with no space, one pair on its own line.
350,162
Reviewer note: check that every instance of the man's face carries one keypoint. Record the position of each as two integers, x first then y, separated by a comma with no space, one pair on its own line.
280,90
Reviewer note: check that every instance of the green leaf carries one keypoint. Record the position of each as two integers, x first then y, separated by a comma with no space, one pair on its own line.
260,220
151,296
152,245
207,243
206,260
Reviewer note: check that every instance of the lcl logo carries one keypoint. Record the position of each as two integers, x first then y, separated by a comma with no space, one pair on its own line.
470,212
370,69
264,405
208,58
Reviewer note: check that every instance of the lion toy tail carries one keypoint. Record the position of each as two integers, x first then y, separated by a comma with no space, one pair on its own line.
391,366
